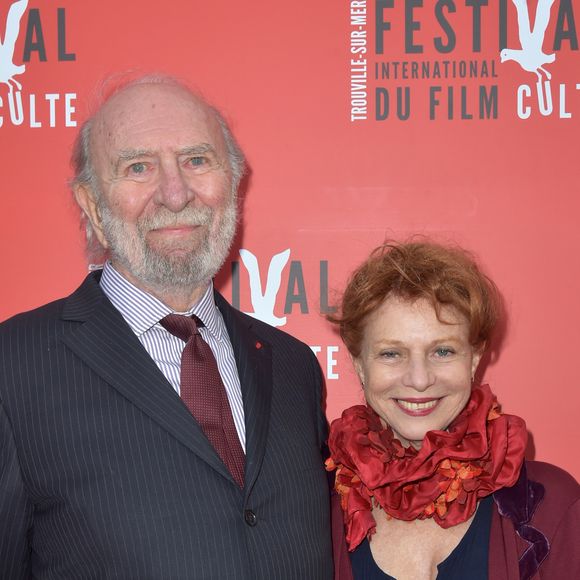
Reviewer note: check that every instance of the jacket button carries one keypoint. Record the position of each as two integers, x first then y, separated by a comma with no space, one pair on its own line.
251,518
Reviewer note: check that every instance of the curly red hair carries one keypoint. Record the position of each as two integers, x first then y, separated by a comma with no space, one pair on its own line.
443,275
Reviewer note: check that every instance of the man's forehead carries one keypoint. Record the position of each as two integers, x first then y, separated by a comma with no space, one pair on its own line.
151,94
154,111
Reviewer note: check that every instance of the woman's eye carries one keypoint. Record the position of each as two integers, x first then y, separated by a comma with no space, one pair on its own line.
390,354
444,352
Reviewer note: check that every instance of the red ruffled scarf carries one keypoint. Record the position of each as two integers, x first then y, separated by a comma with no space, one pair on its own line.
481,451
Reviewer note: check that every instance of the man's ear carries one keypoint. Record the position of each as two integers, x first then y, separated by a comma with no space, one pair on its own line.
86,199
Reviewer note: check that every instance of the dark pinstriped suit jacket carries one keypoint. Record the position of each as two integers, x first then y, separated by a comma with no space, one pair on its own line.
105,474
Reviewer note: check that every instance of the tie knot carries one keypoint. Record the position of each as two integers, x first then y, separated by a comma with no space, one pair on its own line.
183,327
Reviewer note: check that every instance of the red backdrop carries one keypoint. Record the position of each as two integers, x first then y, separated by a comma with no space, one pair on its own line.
361,120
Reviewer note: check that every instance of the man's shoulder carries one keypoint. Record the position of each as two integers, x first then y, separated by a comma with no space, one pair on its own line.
266,331
51,312
35,317
28,337
272,333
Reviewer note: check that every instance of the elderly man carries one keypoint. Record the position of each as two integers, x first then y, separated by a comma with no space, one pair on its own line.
147,429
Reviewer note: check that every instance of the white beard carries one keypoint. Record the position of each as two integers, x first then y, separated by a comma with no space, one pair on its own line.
159,272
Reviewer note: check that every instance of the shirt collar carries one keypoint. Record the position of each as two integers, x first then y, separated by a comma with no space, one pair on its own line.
142,311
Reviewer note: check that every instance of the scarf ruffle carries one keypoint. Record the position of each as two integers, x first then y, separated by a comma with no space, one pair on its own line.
481,452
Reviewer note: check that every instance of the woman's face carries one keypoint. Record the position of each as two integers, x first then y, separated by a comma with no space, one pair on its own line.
416,370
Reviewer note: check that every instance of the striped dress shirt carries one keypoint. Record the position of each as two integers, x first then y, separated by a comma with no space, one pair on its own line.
142,312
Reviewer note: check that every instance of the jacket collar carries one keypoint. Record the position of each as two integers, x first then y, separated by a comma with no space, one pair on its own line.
253,356
519,503
104,341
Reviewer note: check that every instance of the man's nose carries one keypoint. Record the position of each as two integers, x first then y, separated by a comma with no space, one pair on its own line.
173,191
418,375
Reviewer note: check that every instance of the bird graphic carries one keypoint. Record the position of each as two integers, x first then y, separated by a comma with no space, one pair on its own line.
531,57
264,302
7,68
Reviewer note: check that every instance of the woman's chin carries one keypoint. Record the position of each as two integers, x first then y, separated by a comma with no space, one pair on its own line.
414,437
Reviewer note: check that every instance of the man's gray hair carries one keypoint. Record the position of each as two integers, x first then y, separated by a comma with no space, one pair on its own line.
81,160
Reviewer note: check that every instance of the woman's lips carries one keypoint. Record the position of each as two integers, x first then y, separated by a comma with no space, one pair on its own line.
417,407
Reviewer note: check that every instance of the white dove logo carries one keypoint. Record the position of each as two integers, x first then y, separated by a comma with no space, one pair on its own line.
264,302
7,68
531,57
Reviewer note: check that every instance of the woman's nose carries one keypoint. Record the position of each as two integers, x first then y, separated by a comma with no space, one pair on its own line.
418,374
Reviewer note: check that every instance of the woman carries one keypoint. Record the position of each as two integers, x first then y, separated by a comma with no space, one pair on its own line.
430,474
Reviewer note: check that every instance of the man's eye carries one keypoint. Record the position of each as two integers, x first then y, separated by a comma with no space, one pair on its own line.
201,163
137,168
198,161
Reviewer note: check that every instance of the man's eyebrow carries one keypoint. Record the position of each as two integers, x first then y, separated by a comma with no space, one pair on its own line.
197,149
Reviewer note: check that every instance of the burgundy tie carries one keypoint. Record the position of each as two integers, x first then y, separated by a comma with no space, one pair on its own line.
203,391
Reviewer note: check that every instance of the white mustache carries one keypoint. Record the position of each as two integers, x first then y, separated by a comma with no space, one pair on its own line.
189,216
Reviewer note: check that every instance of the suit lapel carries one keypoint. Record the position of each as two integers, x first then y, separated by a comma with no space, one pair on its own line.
109,347
254,362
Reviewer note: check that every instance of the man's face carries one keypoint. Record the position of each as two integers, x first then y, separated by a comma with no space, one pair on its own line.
165,207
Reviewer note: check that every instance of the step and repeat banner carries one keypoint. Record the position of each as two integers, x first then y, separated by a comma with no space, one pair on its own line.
361,121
